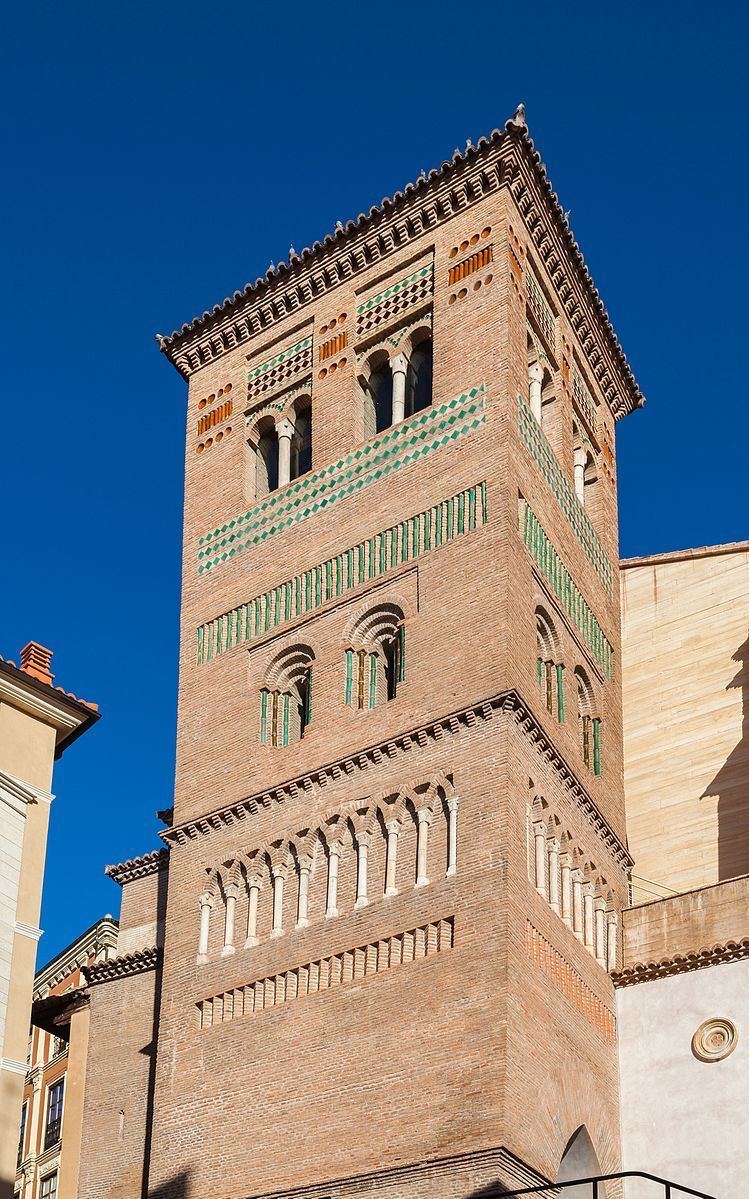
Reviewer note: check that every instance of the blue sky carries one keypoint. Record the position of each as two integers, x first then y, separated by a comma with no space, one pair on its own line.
158,156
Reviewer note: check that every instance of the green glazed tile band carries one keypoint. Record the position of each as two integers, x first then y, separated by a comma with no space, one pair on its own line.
560,579
371,558
565,496
397,447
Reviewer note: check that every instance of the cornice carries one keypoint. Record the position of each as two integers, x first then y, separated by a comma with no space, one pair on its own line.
506,157
122,967
64,712
133,868
682,963
417,738
102,935
17,793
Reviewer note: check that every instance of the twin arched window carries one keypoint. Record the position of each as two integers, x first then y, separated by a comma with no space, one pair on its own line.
376,658
286,702
589,724
282,451
397,388
550,671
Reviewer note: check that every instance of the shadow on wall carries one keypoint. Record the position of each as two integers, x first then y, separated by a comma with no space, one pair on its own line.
579,1160
177,1188
150,1050
731,785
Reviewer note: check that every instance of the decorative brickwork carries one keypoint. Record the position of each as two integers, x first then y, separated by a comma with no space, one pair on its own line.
583,400
280,370
388,305
540,309
539,447
475,262
329,972
399,446
370,559
559,578
215,417
568,981
333,345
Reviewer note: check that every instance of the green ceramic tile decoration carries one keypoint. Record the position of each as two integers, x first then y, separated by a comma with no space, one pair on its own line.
560,580
565,496
295,597
391,451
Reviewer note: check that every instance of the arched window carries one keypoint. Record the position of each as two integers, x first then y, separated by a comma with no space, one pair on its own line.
549,671
266,462
419,379
376,657
286,699
301,444
589,724
378,401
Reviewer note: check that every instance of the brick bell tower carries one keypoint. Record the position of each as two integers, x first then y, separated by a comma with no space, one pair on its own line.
398,851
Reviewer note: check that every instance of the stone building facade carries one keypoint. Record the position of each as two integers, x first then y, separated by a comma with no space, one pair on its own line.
38,721
49,1144
397,859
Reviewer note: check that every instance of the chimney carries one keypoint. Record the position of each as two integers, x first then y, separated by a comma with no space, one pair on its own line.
35,660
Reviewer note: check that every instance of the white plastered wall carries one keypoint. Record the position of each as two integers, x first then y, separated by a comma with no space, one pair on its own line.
682,1118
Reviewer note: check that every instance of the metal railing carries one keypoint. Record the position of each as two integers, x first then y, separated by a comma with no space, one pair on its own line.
671,1190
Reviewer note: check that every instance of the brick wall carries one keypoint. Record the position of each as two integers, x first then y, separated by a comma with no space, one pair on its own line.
687,923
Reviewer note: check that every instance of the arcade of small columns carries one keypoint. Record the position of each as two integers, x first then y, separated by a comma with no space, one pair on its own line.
557,875
355,825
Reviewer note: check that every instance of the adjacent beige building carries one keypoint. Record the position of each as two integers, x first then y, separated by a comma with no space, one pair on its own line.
49,1143
37,722
685,647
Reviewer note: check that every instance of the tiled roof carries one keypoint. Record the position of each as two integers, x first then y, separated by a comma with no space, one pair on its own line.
514,129
6,663
121,967
680,963
147,863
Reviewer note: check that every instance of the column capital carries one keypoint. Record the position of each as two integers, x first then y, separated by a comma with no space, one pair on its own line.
399,364
553,844
611,918
284,428
394,827
206,901
335,849
536,372
280,871
452,803
364,839
425,815
232,891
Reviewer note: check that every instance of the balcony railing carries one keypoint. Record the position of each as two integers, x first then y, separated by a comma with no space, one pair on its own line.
665,1188
53,1133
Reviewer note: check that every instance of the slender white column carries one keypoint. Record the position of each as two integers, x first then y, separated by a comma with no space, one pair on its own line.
302,918
252,937
231,907
206,903
599,906
554,874
539,843
278,874
424,819
577,903
535,383
588,917
611,940
284,432
393,831
399,367
331,903
579,466
565,868
452,836
362,856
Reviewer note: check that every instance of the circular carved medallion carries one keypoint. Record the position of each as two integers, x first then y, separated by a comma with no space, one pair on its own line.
715,1039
